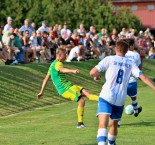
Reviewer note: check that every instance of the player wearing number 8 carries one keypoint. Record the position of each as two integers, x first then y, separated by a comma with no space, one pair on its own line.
117,69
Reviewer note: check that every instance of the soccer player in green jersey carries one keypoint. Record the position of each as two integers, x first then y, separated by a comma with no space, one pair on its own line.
64,87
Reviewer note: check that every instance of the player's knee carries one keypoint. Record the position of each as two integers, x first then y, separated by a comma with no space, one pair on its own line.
81,101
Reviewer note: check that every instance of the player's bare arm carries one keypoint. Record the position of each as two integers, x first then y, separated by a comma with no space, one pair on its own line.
46,79
66,70
95,74
147,81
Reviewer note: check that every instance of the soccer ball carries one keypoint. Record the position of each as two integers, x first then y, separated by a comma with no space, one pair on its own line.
129,110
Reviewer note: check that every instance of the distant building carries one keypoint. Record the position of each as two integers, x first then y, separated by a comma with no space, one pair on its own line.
143,9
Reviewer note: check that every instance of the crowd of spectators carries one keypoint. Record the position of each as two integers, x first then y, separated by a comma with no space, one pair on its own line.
30,44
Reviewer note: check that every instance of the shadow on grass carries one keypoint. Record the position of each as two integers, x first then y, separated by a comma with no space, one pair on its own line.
149,123
89,144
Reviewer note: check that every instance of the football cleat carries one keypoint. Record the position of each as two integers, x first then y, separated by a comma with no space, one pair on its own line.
80,125
139,110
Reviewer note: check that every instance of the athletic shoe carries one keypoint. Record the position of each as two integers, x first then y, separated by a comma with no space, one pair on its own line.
119,124
139,110
80,125
67,60
15,62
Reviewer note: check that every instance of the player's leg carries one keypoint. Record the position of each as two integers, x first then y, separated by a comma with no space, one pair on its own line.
102,129
112,134
115,116
80,112
90,96
74,94
104,111
132,92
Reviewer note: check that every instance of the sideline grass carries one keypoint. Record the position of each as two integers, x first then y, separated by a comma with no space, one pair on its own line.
56,124
20,84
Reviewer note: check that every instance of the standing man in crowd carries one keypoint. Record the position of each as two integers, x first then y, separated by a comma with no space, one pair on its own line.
26,26
113,94
8,25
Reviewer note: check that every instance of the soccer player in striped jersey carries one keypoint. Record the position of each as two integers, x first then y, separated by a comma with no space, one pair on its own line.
64,87
118,69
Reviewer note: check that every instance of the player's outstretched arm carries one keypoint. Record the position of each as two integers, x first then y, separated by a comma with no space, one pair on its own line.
47,77
66,70
95,74
147,81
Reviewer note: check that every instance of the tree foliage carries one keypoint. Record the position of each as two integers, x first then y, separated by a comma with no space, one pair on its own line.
99,13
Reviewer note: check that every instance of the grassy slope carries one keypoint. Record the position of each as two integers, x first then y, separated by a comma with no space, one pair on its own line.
19,85
55,125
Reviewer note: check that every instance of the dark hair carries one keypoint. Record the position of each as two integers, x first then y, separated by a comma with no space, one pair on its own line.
131,42
122,45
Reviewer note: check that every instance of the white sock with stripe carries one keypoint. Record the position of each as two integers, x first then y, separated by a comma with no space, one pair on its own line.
135,106
111,139
102,136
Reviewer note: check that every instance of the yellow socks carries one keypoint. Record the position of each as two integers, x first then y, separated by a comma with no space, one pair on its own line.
80,111
93,97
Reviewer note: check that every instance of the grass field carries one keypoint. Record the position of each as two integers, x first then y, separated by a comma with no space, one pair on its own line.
52,120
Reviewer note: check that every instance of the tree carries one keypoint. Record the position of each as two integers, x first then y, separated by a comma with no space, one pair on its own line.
99,13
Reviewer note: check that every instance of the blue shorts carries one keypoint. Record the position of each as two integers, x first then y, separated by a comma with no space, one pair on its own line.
105,107
132,89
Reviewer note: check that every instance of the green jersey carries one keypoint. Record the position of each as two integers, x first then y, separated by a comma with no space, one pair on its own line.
58,78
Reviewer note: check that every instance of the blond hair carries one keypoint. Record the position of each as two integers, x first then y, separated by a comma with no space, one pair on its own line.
60,50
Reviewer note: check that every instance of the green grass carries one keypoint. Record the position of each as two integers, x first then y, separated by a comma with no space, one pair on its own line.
27,121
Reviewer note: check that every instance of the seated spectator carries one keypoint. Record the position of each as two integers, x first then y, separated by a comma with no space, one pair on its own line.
36,48
3,51
33,24
66,41
152,53
53,45
59,30
123,32
81,30
26,46
47,47
110,44
141,34
55,34
7,43
76,53
65,30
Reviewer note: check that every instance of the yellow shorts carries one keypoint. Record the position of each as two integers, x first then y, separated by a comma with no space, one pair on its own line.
73,93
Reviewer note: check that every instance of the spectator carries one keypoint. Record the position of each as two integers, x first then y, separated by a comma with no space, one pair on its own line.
47,46
65,30
17,42
7,43
3,50
141,34
36,48
123,32
75,53
8,25
81,30
26,46
33,24
91,30
26,26
44,27
59,30
66,41
152,53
